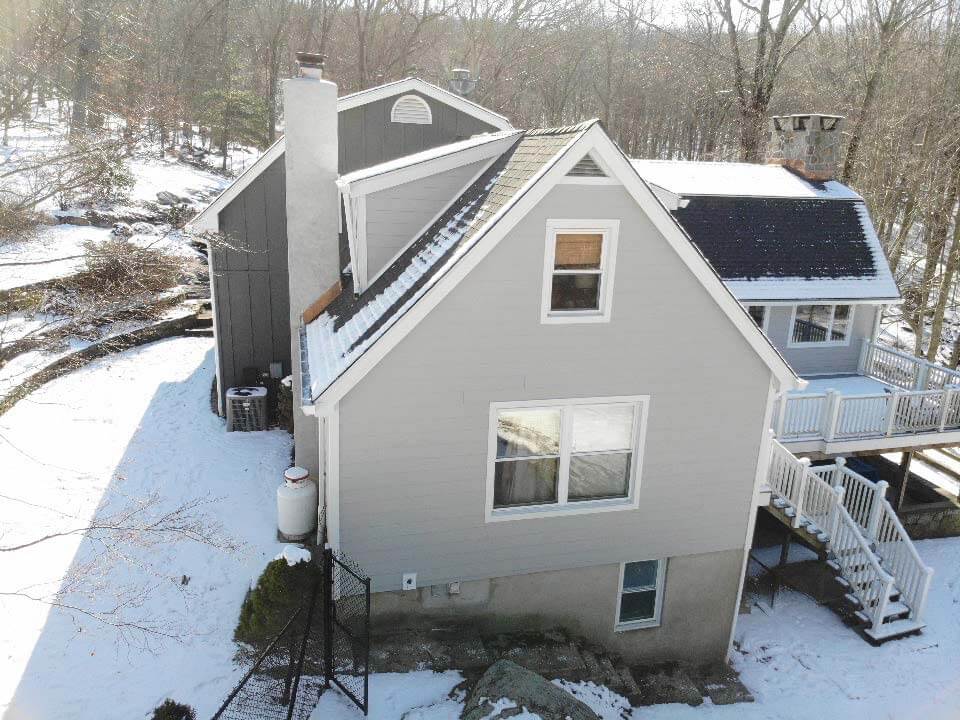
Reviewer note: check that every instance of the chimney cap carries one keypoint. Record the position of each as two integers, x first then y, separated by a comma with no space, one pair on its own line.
807,121
310,60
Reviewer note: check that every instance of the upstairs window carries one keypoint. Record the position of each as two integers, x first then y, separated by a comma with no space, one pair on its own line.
564,456
411,109
759,313
578,270
821,325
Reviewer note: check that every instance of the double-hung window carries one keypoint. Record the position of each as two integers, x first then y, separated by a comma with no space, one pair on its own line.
551,457
641,594
821,325
578,270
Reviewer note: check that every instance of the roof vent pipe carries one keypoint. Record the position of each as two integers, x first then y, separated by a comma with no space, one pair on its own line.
461,83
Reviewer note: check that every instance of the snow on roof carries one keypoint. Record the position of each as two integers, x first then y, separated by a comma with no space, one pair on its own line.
426,156
684,177
351,324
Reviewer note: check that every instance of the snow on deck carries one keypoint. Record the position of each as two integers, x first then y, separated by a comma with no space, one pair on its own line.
117,431
687,177
845,385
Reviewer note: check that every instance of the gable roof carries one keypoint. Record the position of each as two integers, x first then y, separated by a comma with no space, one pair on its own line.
772,235
207,220
354,332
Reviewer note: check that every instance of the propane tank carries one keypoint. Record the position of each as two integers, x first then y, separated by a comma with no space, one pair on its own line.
296,504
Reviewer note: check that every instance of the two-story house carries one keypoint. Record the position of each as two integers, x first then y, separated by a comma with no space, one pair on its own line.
538,379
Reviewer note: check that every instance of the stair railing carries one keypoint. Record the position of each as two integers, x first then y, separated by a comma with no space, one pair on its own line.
900,556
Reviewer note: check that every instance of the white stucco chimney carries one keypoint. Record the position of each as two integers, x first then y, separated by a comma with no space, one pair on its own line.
310,132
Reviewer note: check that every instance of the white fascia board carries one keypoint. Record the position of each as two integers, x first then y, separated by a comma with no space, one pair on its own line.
535,189
424,164
430,90
208,219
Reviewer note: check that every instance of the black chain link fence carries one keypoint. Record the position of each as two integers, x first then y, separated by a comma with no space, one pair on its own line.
326,641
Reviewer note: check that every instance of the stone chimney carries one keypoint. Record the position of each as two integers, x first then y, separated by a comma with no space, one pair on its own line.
807,144
313,251
461,83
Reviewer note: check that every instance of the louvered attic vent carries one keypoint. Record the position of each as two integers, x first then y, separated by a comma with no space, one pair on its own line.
411,109
587,167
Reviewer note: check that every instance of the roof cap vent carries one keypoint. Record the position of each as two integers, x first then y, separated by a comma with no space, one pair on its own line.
310,64
461,83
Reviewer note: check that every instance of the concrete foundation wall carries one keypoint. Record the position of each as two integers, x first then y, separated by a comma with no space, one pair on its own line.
699,601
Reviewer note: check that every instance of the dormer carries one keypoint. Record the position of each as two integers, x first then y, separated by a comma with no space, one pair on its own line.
388,205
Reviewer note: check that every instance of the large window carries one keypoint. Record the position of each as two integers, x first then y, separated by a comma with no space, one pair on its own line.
821,325
564,456
641,594
578,270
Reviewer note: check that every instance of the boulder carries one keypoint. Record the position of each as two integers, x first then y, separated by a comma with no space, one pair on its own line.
165,197
144,228
121,229
506,689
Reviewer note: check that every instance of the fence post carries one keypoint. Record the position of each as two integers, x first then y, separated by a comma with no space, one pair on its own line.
801,489
831,415
948,394
835,515
892,412
327,616
877,498
864,354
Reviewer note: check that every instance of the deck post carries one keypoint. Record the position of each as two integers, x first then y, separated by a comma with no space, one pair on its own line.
876,509
835,514
781,413
832,414
837,474
922,373
801,490
905,461
892,412
864,354
948,395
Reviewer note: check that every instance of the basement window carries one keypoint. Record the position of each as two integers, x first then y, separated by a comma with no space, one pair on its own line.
578,270
641,594
820,325
551,457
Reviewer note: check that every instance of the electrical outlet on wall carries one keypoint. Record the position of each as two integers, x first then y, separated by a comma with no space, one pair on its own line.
409,581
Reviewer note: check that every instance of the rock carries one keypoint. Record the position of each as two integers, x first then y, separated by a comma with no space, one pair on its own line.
121,229
721,684
144,228
164,197
73,220
665,684
100,218
505,689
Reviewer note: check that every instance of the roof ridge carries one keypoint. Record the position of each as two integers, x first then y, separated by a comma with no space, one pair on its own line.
563,129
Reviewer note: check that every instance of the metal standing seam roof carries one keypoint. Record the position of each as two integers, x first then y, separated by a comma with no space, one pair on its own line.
352,323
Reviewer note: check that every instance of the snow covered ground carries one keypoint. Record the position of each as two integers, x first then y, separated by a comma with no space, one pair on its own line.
139,424
124,429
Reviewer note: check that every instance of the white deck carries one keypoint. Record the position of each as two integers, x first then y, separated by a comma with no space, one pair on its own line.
845,385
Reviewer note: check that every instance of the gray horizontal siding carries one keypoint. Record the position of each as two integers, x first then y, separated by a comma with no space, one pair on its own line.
414,431
813,360
396,214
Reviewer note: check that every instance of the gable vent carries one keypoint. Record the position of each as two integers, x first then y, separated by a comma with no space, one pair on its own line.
587,167
411,109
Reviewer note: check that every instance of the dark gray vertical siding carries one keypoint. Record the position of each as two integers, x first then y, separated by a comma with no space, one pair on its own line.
250,279
250,274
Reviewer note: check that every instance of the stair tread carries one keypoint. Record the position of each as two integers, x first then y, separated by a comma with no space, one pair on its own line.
895,629
896,608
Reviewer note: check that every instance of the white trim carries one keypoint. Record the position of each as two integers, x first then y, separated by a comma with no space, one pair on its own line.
355,209
418,114
424,164
331,485
430,222
610,231
412,84
507,218
209,218
656,620
216,340
641,407
819,301
826,343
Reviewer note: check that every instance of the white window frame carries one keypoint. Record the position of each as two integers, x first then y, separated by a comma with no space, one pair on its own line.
766,314
825,343
563,506
610,230
658,603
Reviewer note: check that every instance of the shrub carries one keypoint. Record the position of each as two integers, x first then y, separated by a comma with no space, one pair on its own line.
172,710
280,590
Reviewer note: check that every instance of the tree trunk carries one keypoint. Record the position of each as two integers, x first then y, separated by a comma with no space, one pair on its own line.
88,49
943,296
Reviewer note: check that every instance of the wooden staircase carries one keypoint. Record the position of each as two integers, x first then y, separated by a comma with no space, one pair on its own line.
847,519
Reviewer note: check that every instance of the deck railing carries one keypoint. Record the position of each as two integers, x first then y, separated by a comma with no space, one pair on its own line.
928,400
863,533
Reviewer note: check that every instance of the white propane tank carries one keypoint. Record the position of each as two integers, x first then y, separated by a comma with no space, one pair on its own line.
296,504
